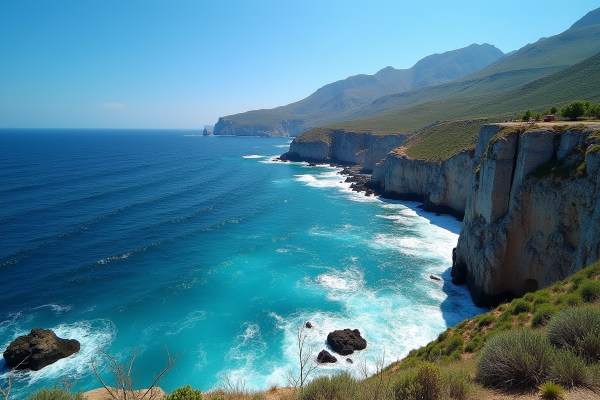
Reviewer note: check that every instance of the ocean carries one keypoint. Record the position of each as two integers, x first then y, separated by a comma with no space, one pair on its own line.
144,239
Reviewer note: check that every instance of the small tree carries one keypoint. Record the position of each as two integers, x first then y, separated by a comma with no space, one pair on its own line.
306,361
126,377
575,109
594,112
527,115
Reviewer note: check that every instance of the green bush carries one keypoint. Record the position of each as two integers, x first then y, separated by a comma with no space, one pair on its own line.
336,387
577,329
590,291
575,109
570,300
568,369
542,297
486,320
458,384
185,393
551,391
55,394
515,358
520,306
455,343
426,383
543,315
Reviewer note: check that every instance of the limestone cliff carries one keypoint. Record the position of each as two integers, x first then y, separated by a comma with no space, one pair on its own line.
441,187
328,145
283,128
532,213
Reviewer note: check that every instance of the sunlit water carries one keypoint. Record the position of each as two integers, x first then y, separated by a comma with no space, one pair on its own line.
131,240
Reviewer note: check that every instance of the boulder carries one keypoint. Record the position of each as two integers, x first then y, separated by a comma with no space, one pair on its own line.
308,325
345,341
325,357
349,361
38,349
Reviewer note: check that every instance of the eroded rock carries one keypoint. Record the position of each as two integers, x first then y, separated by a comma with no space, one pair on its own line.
41,347
326,357
346,341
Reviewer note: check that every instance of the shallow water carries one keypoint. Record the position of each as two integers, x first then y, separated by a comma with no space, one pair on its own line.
137,239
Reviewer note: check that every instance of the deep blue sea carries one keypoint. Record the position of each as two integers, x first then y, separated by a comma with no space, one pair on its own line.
140,239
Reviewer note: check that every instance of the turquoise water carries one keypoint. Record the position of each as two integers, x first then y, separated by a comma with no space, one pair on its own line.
131,240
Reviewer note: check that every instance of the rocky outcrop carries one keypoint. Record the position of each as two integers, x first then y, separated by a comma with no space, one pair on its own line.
325,357
328,145
41,347
532,213
346,341
206,132
441,186
283,128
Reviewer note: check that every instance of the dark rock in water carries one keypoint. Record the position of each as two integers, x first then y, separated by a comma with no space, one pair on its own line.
308,325
346,341
206,132
38,349
420,206
349,360
435,278
325,357
312,164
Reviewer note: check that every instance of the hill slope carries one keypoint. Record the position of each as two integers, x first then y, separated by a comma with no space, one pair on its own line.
332,101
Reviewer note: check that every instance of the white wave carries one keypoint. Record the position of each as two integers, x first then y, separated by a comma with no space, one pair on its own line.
92,334
253,156
282,146
156,333
56,308
249,347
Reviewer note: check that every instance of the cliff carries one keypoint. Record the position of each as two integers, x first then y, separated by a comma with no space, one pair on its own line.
532,213
329,145
440,186
281,128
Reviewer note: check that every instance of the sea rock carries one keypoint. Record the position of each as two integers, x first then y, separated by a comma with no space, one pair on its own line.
434,278
41,347
326,357
345,341
349,361
308,325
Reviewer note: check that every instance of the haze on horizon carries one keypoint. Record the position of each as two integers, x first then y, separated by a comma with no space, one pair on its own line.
159,64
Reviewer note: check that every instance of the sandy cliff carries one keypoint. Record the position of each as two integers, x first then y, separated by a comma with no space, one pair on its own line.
532,212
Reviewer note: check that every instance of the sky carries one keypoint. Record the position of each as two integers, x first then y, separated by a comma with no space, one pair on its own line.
182,64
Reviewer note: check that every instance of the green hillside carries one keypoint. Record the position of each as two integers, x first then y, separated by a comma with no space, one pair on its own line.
334,101
533,61
580,81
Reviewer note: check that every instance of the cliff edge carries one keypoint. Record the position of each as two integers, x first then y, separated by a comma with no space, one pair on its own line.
532,213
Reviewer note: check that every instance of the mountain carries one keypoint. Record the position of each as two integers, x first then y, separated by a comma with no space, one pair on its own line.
591,18
333,101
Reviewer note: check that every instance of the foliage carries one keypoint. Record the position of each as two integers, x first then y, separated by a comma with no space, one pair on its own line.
551,391
185,393
521,306
578,330
594,111
426,383
542,315
55,394
515,358
527,115
575,109
590,291
457,383
568,369
336,387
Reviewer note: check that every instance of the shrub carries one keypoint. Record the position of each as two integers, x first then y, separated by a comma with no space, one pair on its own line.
551,391
542,315
570,300
542,297
568,369
575,109
590,291
520,306
336,387
457,384
185,393
486,320
55,394
426,383
514,358
456,343
577,329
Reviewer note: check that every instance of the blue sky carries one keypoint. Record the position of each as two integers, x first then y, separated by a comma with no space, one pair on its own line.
182,64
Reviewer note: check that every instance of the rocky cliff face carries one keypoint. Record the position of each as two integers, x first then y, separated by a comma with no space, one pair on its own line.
283,128
441,187
532,213
347,147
